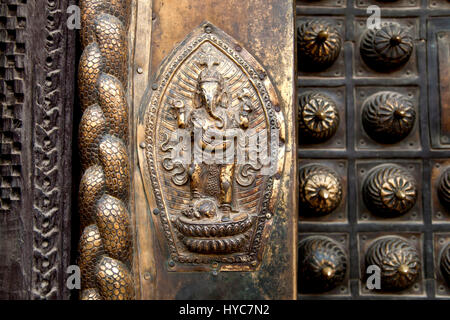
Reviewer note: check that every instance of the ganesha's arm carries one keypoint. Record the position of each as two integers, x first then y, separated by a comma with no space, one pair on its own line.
180,109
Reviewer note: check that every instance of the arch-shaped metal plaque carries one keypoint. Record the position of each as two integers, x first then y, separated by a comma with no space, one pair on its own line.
211,150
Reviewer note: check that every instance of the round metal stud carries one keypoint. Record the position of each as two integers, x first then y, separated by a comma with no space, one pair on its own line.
320,190
398,261
389,190
322,264
317,116
445,263
386,48
319,45
444,189
388,117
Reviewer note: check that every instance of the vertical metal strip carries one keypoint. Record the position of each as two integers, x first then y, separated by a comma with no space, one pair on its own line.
141,77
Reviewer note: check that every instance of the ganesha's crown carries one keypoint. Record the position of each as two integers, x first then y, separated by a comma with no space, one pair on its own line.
210,75
208,61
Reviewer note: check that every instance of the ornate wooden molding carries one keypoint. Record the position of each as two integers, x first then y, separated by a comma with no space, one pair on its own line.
52,178
36,133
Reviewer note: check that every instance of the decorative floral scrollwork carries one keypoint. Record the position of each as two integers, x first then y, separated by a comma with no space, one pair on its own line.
317,117
445,263
320,190
444,189
388,117
386,48
319,45
389,190
322,264
398,260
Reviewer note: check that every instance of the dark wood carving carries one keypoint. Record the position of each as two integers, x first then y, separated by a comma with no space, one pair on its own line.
36,75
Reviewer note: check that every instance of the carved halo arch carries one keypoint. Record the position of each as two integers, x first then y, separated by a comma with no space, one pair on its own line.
235,245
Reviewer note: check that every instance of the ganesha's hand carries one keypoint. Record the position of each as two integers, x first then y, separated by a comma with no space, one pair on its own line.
177,104
243,121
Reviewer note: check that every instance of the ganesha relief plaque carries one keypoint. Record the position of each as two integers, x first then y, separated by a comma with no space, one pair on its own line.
211,152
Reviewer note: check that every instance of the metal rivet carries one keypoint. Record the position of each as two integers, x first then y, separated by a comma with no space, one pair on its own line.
147,276
268,216
277,176
238,48
277,108
156,211
140,70
262,75
154,86
171,263
208,29
142,145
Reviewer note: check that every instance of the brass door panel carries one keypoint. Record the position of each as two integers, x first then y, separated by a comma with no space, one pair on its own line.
439,64
157,221
213,232
361,175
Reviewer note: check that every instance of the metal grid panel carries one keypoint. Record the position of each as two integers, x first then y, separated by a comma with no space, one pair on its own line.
430,226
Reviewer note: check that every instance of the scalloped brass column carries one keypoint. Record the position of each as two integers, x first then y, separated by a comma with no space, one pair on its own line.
105,245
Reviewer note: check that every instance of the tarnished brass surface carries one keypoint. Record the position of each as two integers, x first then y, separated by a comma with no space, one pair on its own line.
443,39
322,264
398,260
106,241
214,229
